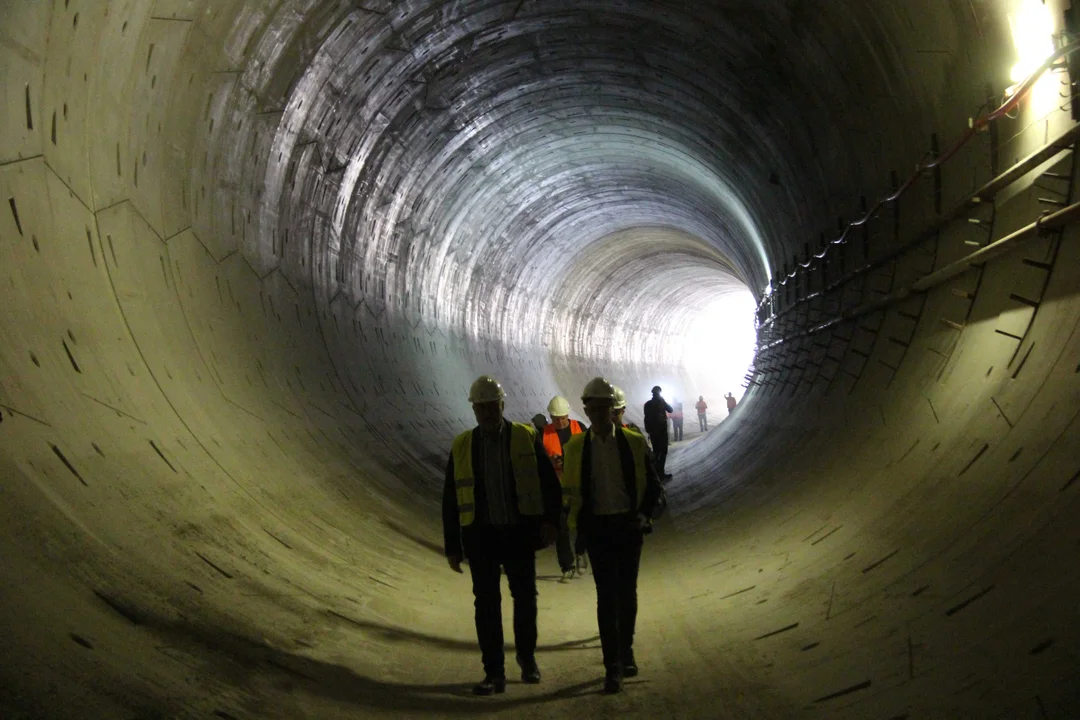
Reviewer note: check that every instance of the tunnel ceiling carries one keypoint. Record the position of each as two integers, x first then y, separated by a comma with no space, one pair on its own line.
253,254
470,149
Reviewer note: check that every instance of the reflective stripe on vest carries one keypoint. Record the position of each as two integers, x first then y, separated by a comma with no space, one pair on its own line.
530,500
572,457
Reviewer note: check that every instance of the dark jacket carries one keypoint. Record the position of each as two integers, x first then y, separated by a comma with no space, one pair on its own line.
549,488
656,411
626,458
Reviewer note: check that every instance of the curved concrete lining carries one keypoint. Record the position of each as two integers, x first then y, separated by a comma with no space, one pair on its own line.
252,255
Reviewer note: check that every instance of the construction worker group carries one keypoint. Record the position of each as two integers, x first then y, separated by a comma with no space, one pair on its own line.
513,488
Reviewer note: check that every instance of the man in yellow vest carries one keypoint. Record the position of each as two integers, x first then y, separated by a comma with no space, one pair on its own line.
613,494
501,503
555,435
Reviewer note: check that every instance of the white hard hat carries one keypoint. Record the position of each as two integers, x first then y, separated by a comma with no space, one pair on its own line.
598,388
558,407
485,389
620,398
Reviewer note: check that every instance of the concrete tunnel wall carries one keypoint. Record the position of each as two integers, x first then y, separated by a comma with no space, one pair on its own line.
252,256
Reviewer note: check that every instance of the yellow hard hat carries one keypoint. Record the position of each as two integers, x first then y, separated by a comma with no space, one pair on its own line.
620,398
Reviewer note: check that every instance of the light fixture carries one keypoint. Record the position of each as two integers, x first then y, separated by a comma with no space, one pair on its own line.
1032,31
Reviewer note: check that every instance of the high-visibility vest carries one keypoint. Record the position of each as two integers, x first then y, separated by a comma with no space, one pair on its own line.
530,499
552,443
554,448
572,457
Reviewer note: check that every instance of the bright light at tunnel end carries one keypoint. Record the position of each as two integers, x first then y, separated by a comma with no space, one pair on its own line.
718,348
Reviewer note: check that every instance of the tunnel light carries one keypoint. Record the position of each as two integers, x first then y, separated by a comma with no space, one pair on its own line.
1032,31
719,347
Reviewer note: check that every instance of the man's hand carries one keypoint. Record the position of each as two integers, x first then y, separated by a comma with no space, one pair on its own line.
455,563
548,533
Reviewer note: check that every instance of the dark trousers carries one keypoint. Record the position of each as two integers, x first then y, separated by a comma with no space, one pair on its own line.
659,446
615,552
491,550
703,424
676,426
562,543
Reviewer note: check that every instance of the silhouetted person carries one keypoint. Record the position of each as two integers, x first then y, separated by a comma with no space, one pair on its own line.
677,421
501,502
539,421
730,402
656,411
701,407
614,493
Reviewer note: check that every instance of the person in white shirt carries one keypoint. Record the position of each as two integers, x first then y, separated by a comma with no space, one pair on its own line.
613,491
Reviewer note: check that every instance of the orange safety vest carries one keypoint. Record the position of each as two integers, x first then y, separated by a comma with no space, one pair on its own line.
551,438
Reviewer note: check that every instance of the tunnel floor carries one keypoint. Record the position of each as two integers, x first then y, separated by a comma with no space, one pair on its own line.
214,666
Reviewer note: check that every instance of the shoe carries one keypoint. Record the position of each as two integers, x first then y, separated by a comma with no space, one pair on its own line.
530,671
629,666
567,575
613,683
582,564
490,686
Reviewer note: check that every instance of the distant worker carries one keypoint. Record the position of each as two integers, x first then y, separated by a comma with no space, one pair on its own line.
656,411
730,402
555,435
676,421
501,502
614,493
701,407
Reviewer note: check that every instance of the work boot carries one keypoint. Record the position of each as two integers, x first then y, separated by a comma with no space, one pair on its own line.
530,671
490,685
567,575
629,666
613,682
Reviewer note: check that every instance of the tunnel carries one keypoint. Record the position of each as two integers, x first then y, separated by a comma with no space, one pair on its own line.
220,472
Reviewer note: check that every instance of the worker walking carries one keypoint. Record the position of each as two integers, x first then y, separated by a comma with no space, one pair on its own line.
677,421
656,411
501,502
555,436
613,493
730,402
701,407
618,410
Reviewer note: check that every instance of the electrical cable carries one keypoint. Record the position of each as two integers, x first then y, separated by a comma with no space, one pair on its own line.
974,126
